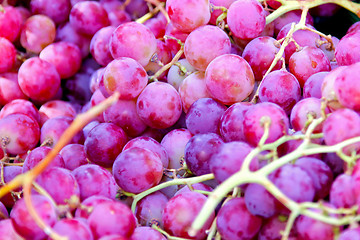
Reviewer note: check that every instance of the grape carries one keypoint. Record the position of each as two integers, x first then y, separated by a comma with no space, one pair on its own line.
113,237
346,87
88,17
137,8
95,180
116,14
172,31
111,218
334,162
74,156
306,62
65,56
347,48
157,25
37,32
328,88
104,143
24,223
7,230
95,79
199,150
350,234
180,212
67,33
231,122
133,40
302,110
86,130
146,233
97,98
174,143
18,133
309,228
99,45
204,44
312,86
160,58
259,53
192,88
295,183
320,174
10,172
10,23
254,119
282,88
229,79
342,193
272,228
150,209
73,229
3,212
137,169
159,105
126,76
58,10
9,88
88,204
259,201
56,108
204,116
123,113
39,79
234,221
54,128
8,53
302,37
195,186
246,19
150,144
68,188
189,14
229,159
336,129
329,49
37,155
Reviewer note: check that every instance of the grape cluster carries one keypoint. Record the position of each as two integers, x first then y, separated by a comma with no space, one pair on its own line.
178,119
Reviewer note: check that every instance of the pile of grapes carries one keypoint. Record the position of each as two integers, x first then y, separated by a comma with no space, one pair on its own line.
178,119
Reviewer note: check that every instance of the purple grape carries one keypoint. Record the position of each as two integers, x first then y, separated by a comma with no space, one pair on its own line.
150,209
234,221
9,88
204,116
350,234
7,231
199,150
10,172
229,159
272,228
87,206
137,169
95,180
99,45
312,86
259,201
74,156
58,11
180,212
111,218
104,143
346,52
342,194
146,233
73,229
195,186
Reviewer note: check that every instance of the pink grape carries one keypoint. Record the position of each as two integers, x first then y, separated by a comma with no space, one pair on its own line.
346,52
217,12
56,108
58,10
189,14
229,78
99,45
159,105
157,25
88,17
127,36
8,53
65,56
88,204
10,23
116,13
9,88
192,88
37,155
37,32
312,86
73,229
21,106
204,44
246,19
172,31
290,17
19,133
126,76
74,156
39,79
146,233
163,55
7,230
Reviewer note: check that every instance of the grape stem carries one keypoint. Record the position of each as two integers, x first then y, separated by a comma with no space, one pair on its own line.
167,66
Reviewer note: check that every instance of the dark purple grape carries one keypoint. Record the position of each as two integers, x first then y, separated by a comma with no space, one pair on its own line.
111,218
137,169
234,221
204,116
149,210
259,201
181,211
199,150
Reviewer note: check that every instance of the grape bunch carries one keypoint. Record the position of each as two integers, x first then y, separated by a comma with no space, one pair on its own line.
178,119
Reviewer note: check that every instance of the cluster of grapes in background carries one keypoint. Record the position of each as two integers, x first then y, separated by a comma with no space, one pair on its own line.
178,119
